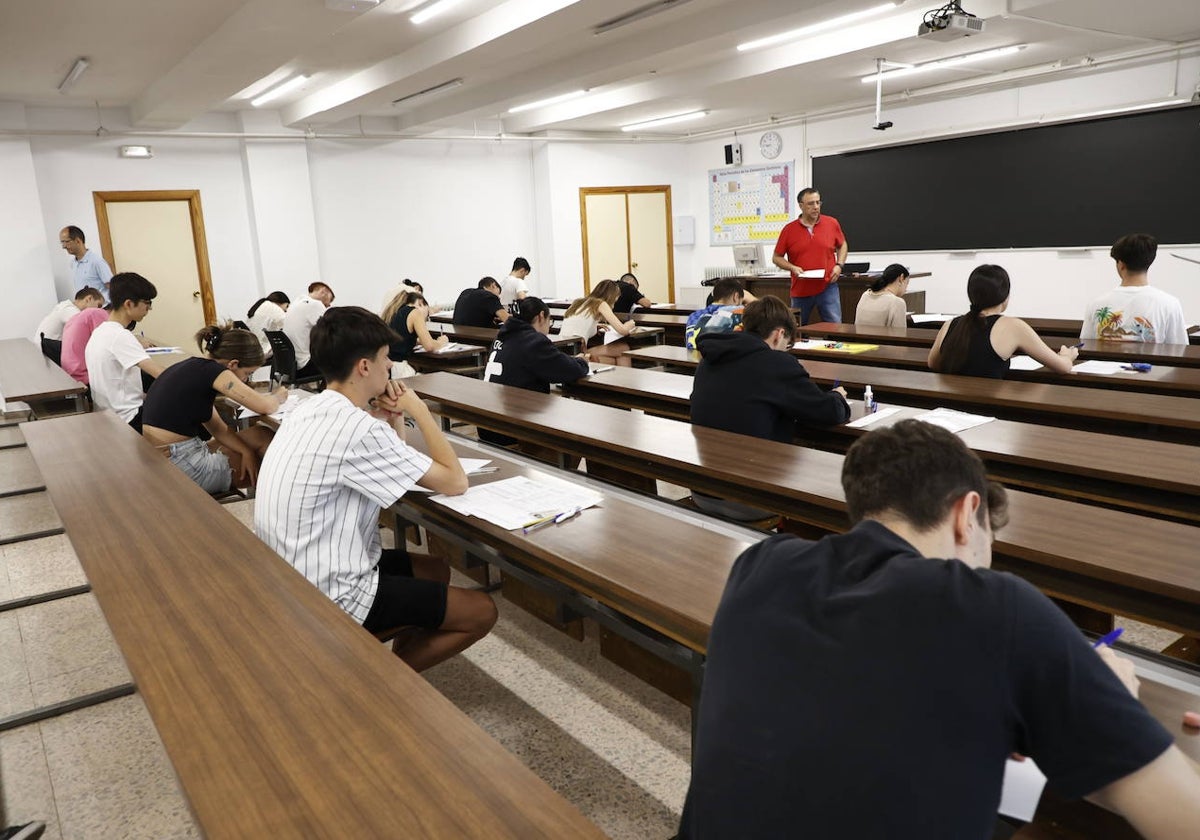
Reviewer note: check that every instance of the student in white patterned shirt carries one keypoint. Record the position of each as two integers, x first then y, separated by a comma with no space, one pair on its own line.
337,460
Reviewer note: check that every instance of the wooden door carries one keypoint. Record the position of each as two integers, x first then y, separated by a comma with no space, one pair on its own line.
160,235
628,229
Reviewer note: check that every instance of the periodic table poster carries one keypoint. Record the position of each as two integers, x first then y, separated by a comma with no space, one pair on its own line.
749,204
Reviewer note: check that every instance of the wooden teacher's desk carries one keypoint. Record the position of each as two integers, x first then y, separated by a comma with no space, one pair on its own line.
281,715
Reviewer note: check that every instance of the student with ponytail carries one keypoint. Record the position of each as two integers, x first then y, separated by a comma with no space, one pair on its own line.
407,313
981,342
179,417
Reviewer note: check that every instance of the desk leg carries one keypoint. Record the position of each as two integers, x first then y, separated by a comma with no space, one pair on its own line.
80,404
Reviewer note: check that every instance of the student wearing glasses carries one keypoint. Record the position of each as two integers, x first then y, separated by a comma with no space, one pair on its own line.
115,359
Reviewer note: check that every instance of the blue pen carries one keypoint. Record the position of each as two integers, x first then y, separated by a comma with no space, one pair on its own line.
1108,638
1077,346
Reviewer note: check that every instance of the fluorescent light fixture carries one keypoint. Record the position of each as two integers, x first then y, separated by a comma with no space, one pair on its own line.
1182,100
450,85
278,91
135,152
943,63
72,77
642,13
553,100
675,118
804,32
433,10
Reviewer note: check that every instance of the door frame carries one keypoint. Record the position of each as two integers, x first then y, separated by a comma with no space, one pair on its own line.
665,189
195,213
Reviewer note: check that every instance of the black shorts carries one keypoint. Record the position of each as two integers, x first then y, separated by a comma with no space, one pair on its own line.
402,599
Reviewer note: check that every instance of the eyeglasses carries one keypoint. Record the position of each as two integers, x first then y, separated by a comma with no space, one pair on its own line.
149,303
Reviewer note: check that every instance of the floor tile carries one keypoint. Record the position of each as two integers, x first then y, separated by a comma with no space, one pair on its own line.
11,435
13,670
21,515
42,565
243,512
60,637
28,793
18,470
111,775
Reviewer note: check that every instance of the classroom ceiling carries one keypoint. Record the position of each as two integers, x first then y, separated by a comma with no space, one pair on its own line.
172,61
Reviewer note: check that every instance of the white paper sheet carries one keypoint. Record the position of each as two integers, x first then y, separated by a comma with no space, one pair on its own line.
808,344
449,348
1024,363
868,419
930,318
295,397
954,421
1023,785
162,351
473,465
813,274
513,503
1097,366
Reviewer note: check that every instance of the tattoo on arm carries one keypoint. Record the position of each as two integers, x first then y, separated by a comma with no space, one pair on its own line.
229,386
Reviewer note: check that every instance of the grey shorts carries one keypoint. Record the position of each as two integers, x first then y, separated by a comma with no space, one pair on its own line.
209,469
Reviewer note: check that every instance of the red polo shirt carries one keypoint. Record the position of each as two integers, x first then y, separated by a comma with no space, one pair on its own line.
810,250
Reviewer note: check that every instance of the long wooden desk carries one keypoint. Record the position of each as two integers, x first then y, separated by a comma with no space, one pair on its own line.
468,362
484,336
28,376
1081,553
1176,381
1178,355
1152,416
1078,464
282,716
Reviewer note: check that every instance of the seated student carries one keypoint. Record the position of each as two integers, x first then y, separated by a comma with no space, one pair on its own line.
981,342
50,330
724,314
407,315
337,460
76,333
630,296
514,287
883,304
748,383
267,314
115,358
298,322
584,317
524,356
179,416
1135,310
834,665
480,307
405,285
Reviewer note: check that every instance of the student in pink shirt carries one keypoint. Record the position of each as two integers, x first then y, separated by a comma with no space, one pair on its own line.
76,333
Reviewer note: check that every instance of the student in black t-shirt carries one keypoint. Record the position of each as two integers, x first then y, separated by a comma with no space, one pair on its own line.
630,296
178,414
873,684
480,307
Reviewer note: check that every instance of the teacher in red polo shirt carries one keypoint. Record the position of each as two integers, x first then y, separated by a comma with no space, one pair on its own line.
810,244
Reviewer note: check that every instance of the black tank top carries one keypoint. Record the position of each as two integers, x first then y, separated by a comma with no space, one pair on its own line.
982,359
402,349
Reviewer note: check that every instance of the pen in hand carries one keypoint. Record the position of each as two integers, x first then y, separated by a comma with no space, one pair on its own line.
1108,638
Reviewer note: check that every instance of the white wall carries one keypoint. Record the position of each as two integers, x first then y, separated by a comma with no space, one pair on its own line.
444,213
1047,282
25,272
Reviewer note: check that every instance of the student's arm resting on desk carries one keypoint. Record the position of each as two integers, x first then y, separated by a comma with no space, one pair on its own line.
1161,800
610,317
228,385
804,400
445,474
1021,337
418,324
555,365
935,351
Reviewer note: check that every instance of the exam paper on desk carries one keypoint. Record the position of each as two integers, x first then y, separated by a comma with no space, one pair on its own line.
1024,363
953,421
515,502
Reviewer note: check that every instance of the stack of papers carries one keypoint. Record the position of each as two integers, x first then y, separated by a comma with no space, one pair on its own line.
513,503
954,421
930,318
1024,363
1097,366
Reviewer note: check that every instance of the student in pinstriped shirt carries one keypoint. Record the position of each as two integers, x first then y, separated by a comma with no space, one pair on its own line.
337,460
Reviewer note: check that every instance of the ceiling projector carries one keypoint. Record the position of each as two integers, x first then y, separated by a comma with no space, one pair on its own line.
948,26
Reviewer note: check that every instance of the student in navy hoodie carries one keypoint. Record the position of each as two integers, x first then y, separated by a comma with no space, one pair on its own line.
524,356
748,383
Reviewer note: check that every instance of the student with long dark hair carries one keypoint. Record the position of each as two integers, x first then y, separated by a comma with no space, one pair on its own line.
981,342
407,314
883,305
179,415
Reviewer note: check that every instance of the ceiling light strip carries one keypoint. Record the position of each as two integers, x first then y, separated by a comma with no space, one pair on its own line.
805,31
433,10
450,85
279,90
637,14
943,63
660,121
552,100
1163,103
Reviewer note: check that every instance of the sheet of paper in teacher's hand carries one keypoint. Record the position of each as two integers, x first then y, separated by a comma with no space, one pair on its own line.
1023,785
813,274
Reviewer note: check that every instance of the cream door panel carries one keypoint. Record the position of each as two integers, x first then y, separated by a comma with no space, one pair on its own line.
606,239
154,239
648,249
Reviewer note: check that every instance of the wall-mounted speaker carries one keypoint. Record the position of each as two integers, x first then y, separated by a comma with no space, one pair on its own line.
733,154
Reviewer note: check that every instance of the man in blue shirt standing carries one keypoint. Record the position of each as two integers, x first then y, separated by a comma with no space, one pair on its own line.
87,268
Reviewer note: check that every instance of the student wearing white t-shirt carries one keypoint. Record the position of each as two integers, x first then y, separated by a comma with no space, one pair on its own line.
1135,310
513,287
50,330
337,460
299,320
267,314
115,359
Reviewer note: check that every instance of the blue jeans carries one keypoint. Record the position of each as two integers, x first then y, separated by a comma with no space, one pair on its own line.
828,304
